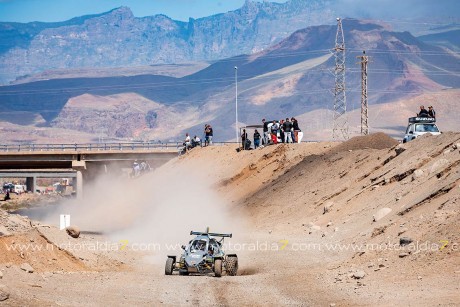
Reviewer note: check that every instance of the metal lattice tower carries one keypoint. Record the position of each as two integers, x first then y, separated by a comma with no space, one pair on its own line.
340,129
364,112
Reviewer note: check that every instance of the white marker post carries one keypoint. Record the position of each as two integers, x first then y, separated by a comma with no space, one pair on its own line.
64,221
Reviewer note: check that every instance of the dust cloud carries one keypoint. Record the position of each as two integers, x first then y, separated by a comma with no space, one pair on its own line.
161,207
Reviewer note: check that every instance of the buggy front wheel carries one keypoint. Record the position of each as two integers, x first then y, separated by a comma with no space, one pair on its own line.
218,268
169,266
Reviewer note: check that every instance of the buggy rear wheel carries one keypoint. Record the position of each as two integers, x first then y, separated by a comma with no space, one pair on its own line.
218,268
169,266
231,265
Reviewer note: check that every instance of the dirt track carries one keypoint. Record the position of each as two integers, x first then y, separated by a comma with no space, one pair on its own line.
314,207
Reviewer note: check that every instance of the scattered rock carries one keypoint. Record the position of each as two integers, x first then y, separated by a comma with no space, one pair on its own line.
417,174
378,231
438,164
4,293
4,231
381,213
332,305
269,231
402,231
399,149
419,277
336,229
27,267
1,274
359,274
405,241
402,255
381,265
301,173
327,207
73,231
329,224
252,166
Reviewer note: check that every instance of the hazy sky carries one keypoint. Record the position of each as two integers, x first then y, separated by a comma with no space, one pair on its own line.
60,10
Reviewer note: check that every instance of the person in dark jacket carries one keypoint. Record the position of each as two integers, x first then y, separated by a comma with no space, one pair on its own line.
295,129
7,196
287,127
256,139
423,112
244,137
431,112
265,132
281,130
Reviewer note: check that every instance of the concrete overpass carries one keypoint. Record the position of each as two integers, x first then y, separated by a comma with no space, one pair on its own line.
80,161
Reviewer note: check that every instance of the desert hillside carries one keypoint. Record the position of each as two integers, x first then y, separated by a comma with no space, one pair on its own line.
366,222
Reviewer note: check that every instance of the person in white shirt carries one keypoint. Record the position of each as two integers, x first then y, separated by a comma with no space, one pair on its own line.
187,142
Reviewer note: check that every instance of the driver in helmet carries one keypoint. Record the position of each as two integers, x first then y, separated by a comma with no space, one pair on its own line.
200,245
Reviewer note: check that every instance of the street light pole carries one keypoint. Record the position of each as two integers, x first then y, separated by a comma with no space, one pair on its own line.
236,103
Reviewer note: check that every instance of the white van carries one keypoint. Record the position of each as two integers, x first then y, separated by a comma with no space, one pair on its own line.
18,189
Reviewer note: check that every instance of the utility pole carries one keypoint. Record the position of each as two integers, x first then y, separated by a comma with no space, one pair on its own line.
364,111
340,126
236,104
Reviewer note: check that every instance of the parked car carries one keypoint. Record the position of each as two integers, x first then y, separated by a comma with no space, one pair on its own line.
18,189
418,126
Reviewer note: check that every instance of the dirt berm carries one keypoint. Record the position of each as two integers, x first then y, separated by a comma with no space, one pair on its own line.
366,222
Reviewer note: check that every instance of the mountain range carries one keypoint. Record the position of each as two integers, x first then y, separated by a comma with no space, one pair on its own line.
118,39
291,78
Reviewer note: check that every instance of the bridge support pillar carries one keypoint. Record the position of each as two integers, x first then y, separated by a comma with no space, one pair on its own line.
79,185
31,183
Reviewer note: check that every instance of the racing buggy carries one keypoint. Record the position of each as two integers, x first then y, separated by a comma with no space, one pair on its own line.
204,254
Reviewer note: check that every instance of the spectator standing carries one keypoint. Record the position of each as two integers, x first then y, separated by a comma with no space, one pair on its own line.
282,130
244,137
295,130
211,134
206,135
256,139
274,128
265,132
287,131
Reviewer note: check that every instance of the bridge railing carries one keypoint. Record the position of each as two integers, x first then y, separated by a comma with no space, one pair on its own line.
88,146
120,146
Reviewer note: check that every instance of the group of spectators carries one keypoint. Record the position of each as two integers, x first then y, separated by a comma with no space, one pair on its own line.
427,113
274,132
190,143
